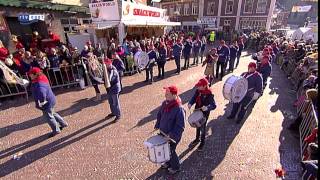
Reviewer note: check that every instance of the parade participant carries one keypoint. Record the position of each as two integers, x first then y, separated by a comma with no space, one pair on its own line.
113,91
196,51
254,91
210,61
203,47
45,100
177,51
4,52
170,122
152,59
265,69
234,48
187,47
223,52
204,100
161,61
119,65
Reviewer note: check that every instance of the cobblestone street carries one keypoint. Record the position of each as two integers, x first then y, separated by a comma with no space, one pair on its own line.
95,148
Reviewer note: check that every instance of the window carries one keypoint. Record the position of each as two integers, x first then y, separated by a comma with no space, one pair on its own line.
171,10
210,8
227,22
261,6
229,7
178,8
186,9
194,8
248,6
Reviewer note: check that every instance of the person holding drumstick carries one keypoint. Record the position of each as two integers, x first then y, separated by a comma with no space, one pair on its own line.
204,100
170,122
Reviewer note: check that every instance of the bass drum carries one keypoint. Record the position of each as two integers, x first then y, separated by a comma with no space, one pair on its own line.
141,59
235,88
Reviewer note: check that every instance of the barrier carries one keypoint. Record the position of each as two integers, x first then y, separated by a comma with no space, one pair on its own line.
64,76
8,90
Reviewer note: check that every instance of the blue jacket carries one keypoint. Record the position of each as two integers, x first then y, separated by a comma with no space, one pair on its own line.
206,100
114,81
187,48
152,55
172,122
203,47
196,47
224,53
119,65
265,71
177,50
54,61
42,91
254,83
234,51
162,55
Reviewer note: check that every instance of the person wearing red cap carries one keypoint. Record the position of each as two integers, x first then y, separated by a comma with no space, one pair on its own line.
204,100
119,65
113,91
255,87
170,122
45,100
265,69
223,52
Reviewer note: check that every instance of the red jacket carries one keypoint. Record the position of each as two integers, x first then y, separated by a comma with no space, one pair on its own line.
3,53
19,45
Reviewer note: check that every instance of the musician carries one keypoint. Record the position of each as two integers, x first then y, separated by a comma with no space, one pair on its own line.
113,91
45,100
234,48
177,51
119,65
265,70
161,61
223,52
204,100
254,91
152,59
170,121
210,61
203,47
196,50
187,47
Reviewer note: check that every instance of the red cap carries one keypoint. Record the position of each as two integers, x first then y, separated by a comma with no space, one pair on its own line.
107,61
172,89
34,70
252,64
202,82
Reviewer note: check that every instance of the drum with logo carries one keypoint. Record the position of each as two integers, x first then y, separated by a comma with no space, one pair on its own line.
235,88
158,149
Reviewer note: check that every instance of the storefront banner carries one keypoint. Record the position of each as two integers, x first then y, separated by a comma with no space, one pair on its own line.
141,13
30,18
104,10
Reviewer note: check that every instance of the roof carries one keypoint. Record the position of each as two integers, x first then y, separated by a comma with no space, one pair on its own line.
43,5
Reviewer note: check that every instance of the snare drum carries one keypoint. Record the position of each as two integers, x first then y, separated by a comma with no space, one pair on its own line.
235,88
196,119
158,149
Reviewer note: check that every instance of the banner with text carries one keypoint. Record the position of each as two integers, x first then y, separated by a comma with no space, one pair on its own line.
104,10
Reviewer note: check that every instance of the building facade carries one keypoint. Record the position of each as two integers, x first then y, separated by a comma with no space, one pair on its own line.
220,14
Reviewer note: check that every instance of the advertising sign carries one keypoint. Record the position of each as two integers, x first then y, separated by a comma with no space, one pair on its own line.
104,10
30,18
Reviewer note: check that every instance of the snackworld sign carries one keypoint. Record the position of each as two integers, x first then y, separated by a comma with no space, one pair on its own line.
141,12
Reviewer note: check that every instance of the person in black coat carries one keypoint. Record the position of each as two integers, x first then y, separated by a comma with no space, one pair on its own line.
187,52
204,100
254,91
223,52
152,59
241,48
233,55
265,69
161,61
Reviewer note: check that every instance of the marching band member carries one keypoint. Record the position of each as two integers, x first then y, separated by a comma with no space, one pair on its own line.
113,91
241,48
204,100
210,61
177,51
170,122
254,91
187,47
119,65
45,100
161,61
196,50
234,48
265,69
223,51
152,59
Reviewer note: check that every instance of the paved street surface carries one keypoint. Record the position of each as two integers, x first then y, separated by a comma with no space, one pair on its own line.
94,148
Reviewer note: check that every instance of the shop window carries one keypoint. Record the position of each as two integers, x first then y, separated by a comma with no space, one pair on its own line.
248,6
66,29
178,8
87,21
210,8
195,8
171,10
73,21
186,9
229,7
64,21
227,22
261,6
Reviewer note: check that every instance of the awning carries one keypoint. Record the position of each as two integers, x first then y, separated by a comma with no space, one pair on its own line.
164,23
107,24
135,23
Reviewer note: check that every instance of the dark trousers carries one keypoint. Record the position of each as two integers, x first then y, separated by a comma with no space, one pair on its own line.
96,88
202,130
161,69
186,61
238,59
114,103
231,63
196,58
54,120
243,105
201,54
177,60
221,66
149,73
174,160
